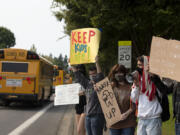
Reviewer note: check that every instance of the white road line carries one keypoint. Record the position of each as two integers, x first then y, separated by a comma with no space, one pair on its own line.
28,122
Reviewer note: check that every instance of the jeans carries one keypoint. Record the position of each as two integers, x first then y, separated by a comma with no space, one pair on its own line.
177,128
95,124
149,126
123,131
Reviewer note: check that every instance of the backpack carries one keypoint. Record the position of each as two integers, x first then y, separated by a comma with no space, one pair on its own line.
164,102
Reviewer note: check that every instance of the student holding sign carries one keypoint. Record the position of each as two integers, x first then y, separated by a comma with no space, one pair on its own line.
94,121
122,92
144,93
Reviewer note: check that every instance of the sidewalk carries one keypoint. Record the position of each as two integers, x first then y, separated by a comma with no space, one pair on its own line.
67,124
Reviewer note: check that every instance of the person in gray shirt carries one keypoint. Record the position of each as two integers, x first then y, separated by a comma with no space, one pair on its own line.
94,121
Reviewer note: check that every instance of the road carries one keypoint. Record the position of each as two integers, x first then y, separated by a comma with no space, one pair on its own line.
26,119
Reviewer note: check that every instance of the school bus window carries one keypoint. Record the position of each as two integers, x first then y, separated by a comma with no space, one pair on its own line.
46,70
14,67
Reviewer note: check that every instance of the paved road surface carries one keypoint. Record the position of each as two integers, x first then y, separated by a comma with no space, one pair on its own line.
26,119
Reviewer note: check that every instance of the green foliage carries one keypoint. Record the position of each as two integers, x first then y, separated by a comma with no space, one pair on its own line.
33,48
7,38
48,57
136,20
60,61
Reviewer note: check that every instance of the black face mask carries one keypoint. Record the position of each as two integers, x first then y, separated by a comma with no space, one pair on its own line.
140,70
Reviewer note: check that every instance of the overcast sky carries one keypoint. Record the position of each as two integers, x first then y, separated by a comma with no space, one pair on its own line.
32,22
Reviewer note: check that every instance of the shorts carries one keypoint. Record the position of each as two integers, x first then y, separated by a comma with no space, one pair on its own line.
80,107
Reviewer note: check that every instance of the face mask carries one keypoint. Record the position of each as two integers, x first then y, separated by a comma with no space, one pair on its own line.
92,77
119,78
140,70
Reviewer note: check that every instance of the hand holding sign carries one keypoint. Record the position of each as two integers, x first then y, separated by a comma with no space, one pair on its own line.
108,102
84,45
126,114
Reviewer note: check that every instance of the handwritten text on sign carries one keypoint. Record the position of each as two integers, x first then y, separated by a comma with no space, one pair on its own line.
84,45
108,102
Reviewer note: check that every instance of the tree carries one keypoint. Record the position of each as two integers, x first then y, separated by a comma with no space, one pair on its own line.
7,38
119,20
48,57
33,48
59,61
65,62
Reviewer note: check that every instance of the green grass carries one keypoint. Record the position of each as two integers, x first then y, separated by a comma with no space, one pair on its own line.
168,126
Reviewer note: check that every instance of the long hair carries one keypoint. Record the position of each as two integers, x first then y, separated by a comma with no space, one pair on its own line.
81,68
116,68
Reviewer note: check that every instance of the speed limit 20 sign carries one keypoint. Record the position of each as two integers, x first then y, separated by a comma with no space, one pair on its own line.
124,53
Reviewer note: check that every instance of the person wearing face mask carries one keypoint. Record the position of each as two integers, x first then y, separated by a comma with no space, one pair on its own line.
144,90
80,113
94,120
122,91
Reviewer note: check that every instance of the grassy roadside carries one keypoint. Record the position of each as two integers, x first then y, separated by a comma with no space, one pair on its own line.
168,127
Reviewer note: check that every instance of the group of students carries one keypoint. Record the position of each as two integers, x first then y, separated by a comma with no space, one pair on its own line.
137,100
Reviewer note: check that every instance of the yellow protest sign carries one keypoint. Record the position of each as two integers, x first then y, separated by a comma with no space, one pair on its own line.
84,45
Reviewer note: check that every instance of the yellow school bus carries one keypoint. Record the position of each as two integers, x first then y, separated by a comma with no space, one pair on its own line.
58,76
24,76
67,79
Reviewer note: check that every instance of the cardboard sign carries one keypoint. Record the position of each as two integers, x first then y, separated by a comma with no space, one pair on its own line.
108,102
84,45
124,53
165,58
67,94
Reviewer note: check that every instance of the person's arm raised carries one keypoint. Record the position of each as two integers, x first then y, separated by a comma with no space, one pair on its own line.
97,64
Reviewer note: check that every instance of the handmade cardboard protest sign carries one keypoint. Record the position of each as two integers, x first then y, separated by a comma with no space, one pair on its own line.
165,57
108,102
84,45
67,94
